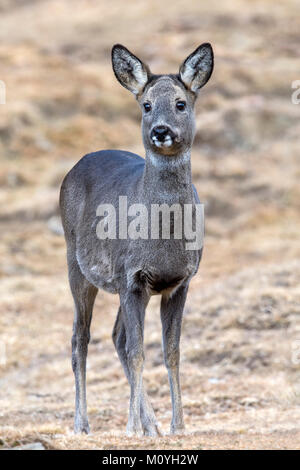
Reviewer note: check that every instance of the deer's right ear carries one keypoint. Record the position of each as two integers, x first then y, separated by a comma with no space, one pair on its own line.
129,69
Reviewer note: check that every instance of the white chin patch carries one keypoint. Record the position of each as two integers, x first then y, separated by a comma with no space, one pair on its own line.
166,143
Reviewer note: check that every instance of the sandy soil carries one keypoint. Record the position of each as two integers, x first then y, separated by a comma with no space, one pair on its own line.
240,341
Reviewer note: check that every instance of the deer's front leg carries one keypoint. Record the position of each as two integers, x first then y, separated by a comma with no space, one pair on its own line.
133,308
171,317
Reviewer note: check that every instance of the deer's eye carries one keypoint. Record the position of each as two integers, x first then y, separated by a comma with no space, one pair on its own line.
180,105
147,107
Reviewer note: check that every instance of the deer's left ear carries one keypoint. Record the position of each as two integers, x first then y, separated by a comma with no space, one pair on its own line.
197,67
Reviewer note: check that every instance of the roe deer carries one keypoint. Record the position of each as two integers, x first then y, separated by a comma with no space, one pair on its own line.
136,267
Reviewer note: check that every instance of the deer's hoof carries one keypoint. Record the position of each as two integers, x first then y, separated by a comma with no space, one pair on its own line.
152,430
177,430
134,431
81,427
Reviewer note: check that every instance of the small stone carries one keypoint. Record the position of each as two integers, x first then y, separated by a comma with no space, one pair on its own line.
31,446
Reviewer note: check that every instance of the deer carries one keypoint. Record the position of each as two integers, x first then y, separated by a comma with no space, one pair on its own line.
136,268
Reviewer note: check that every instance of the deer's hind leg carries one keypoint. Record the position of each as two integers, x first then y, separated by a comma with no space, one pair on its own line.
84,295
148,418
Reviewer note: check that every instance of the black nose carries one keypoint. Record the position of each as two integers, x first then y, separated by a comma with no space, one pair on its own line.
160,132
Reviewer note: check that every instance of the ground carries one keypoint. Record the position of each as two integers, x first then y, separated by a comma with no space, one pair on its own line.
240,347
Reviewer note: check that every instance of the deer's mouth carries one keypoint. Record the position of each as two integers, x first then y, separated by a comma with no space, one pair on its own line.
167,146
166,143
163,137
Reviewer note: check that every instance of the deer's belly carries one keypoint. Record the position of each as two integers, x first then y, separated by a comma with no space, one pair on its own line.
109,266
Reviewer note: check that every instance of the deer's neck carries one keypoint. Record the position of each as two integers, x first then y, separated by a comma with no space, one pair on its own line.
168,179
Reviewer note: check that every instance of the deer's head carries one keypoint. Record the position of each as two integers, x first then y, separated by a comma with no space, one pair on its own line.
167,101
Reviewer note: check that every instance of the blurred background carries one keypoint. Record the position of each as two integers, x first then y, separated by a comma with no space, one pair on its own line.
241,334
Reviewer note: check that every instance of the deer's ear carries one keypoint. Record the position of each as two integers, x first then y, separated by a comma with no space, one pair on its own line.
129,69
197,67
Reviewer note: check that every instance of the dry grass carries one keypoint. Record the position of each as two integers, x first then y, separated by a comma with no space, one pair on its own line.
241,388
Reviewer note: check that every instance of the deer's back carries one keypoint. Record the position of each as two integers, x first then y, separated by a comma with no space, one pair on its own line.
97,178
